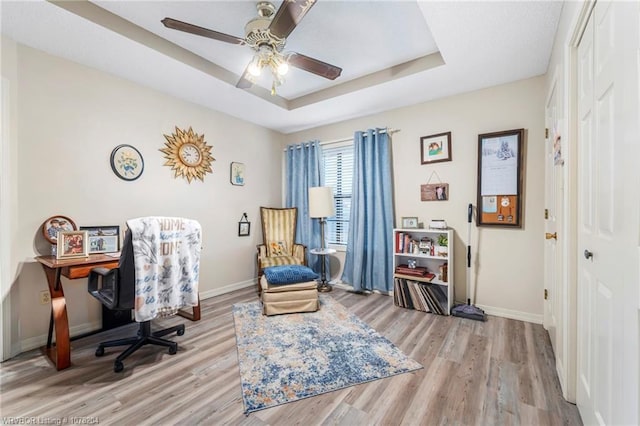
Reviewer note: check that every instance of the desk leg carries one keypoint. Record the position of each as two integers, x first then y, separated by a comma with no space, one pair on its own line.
60,353
195,315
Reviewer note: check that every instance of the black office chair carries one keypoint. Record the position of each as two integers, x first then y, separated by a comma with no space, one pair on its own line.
115,288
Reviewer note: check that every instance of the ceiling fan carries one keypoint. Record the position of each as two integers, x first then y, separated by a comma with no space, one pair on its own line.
267,35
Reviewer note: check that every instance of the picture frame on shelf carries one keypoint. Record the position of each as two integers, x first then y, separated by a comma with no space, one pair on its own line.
103,239
55,224
435,148
72,244
410,222
127,162
237,173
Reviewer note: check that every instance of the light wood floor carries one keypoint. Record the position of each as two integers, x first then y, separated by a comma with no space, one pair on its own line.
495,373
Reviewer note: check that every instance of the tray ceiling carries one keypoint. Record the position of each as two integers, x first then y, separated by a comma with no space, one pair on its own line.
393,53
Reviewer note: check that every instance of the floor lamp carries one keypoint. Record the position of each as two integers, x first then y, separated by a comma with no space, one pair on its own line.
321,206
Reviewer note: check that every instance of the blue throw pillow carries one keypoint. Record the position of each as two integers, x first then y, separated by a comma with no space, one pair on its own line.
289,274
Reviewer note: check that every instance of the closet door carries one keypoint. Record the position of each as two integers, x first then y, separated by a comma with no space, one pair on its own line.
607,333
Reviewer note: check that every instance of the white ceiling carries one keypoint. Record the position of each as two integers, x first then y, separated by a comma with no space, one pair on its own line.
393,53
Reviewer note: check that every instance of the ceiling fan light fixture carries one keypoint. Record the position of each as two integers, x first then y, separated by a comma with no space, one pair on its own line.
266,34
255,67
283,68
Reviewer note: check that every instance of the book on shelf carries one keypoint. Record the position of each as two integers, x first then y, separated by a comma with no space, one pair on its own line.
399,240
408,301
406,248
432,300
420,296
418,272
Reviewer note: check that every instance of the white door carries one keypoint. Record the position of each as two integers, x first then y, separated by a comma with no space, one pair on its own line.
607,382
554,212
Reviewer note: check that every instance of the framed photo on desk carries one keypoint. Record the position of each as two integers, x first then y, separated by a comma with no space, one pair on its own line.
103,239
72,244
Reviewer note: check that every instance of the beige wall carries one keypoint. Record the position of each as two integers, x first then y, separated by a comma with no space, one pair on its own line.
69,119
508,263
8,195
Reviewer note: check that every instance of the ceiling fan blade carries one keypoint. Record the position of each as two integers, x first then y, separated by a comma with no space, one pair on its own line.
314,66
174,24
288,16
244,82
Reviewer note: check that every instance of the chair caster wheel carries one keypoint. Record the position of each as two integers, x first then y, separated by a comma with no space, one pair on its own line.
180,332
173,349
100,351
118,366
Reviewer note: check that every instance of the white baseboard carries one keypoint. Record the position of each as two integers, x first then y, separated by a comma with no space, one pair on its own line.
500,312
227,289
39,341
508,313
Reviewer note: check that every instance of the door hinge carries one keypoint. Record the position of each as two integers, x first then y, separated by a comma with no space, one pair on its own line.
546,294
546,133
546,213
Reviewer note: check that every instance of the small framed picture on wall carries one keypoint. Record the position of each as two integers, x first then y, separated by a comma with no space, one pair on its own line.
237,174
435,148
244,226
434,192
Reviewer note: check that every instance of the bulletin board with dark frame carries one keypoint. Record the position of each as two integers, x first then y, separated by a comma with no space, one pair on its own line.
500,174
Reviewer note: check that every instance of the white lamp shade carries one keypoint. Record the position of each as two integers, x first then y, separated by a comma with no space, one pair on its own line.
321,201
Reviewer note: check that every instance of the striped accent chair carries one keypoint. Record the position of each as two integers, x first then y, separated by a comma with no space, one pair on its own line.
279,235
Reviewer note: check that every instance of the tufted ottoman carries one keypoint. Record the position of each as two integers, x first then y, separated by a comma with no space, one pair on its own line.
288,289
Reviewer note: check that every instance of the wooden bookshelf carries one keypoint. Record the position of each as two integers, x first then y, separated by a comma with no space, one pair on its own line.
420,248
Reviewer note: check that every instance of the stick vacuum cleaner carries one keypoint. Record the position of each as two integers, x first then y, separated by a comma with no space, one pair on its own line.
469,311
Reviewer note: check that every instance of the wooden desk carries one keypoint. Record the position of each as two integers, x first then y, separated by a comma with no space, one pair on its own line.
74,268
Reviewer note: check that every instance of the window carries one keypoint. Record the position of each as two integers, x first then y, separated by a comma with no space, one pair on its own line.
338,173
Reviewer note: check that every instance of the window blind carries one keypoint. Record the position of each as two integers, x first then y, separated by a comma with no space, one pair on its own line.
338,172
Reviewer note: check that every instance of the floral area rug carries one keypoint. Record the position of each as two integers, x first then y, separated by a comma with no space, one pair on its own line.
285,358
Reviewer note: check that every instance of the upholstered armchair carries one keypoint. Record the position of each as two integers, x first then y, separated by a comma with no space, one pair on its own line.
279,236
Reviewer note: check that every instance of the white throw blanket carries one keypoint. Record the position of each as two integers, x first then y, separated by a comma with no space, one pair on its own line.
167,264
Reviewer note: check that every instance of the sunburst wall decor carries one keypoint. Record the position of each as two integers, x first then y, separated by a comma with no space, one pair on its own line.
188,154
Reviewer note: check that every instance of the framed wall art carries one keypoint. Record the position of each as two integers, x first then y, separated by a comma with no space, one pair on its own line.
237,173
188,154
435,148
72,244
55,224
244,226
500,163
103,239
127,162
434,192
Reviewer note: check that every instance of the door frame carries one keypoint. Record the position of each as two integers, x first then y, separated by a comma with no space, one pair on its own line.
556,304
569,244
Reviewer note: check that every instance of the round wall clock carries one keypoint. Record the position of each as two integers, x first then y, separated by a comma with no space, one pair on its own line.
127,162
188,154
